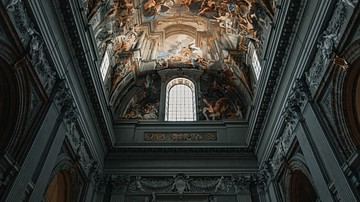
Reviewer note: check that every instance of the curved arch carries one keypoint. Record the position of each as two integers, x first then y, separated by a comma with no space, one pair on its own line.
301,188
346,91
9,104
296,177
14,101
59,188
351,93
60,184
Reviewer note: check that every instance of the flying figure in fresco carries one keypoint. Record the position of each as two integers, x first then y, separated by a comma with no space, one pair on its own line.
226,22
212,111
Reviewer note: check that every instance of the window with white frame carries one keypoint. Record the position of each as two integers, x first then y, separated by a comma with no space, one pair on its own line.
254,59
105,66
180,100
256,65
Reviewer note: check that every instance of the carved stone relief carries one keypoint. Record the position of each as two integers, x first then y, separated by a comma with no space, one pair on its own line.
328,42
33,42
183,184
292,114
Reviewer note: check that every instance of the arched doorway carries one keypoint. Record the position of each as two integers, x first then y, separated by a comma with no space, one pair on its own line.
301,188
59,189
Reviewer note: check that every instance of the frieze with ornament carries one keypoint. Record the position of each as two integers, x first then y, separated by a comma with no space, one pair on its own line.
182,184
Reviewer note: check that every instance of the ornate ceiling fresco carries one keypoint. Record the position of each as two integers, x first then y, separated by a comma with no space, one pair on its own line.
147,43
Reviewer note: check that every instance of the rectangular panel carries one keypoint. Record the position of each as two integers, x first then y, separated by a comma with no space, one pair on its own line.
197,136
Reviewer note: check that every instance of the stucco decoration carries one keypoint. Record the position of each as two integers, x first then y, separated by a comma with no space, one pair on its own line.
292,113
328,42
144,101
183,184
33,42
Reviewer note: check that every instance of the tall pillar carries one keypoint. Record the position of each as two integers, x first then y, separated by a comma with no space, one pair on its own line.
321,142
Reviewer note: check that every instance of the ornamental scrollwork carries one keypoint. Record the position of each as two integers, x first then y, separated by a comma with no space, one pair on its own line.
292,113
328,42
182,184
33,43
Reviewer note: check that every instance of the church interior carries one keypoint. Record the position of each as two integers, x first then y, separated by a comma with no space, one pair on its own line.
179,100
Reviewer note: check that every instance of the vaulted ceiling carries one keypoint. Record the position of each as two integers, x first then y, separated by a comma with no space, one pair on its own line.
214,40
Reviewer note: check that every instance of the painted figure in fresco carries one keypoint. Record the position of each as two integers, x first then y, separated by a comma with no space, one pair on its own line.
208,8
152,8
125,42
120,71
213,110
225,22
235,115
150,111
200,62
133,113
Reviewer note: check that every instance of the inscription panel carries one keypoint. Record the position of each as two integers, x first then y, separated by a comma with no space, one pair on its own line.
198,136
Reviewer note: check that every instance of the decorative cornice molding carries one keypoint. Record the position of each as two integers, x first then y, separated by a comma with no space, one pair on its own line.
83,66
291,25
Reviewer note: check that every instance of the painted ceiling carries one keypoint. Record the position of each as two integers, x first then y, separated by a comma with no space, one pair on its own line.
212,40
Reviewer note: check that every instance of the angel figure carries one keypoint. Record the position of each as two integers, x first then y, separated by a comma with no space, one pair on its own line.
225,22
212,110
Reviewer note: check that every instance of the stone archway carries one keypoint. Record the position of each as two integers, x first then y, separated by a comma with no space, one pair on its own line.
346,95
9,105
59,189
351,94
301,188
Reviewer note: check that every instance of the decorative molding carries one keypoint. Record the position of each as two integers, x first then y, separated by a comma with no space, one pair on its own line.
191,136
64,100
328,43
298,95
292,113
33,42
67,17
289,30
183,184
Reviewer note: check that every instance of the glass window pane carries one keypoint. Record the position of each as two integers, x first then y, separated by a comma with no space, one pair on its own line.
180,100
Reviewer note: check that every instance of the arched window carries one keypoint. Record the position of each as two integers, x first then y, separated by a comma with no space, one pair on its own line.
180,100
